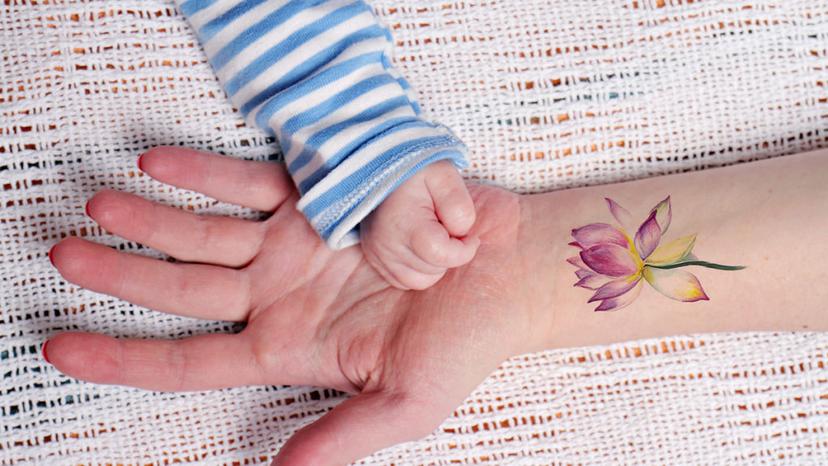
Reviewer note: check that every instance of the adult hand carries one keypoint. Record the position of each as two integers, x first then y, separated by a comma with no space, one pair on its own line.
314,316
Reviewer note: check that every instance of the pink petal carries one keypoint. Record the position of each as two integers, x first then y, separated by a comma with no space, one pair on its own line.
615,288
593,281
648,236
664,214
610,259
621,214
675,284
599,233
621,301
577,262
581,273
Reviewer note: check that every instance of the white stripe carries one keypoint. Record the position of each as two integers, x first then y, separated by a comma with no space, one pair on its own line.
354,107
369,192
240,25
293,59
360,48
343,138
215,10
377,191
323,93
409,92
349,239
363,156
274,37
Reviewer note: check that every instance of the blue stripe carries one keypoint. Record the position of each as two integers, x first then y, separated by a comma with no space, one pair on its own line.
352,182
334,73
403,83
311,65
291,43
386,62
218,23
382,130
313,115
449,153
191,7
317,72
315,142
236,46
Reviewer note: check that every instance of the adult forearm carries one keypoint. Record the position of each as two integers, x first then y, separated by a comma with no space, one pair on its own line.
769,216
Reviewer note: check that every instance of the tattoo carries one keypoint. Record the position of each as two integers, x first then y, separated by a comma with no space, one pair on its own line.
612,263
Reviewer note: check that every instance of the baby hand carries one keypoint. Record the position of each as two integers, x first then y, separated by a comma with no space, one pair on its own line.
419,231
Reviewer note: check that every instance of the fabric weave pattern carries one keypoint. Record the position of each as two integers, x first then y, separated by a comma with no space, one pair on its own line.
547,95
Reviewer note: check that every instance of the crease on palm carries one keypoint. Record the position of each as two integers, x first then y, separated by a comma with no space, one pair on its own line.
326,318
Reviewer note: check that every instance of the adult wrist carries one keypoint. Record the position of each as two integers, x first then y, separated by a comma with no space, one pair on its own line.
540,263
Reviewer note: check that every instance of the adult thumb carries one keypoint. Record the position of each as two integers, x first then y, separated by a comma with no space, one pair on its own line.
358,427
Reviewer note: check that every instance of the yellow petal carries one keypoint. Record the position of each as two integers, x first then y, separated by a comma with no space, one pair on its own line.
675,284
671,252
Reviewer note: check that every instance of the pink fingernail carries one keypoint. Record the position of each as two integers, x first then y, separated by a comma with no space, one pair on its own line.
140,161
43,350
52,256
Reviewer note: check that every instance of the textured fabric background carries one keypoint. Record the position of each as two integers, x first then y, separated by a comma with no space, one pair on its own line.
547,94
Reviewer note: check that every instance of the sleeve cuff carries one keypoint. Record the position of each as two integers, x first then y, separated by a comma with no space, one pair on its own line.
339,202
317,75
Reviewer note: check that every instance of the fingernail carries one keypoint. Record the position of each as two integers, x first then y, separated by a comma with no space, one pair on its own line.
86,209
43,350
52,256
140,160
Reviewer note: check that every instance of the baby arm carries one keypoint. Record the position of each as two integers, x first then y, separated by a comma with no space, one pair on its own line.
317,76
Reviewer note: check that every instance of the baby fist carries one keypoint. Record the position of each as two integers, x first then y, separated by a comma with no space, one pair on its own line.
420,230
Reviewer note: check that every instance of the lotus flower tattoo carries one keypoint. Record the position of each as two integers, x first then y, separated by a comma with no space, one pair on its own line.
613,263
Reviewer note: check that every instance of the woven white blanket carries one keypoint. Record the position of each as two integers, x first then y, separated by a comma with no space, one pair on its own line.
547,94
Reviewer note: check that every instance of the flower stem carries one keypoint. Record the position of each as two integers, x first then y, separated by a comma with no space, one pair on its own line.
709,265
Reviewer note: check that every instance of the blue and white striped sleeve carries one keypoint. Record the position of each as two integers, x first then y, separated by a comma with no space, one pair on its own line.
317,76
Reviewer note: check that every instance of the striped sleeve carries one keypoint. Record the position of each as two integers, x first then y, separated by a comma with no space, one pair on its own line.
317,76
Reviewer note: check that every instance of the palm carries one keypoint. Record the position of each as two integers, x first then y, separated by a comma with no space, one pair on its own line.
313,316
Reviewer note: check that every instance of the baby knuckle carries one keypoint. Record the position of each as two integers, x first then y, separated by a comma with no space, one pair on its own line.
431,251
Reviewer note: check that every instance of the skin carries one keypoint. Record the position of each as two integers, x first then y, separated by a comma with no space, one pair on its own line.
419,231
327,318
